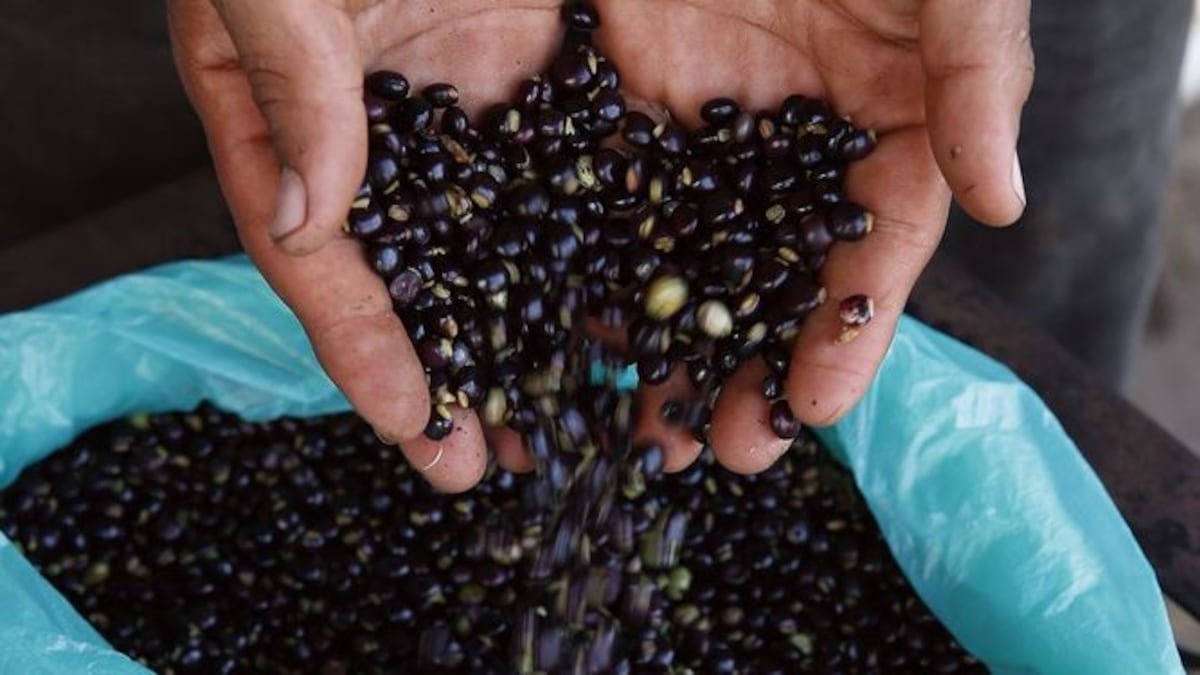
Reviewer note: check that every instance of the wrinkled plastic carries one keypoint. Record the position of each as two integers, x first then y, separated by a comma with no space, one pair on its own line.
39,632
997,520
993,514
163,339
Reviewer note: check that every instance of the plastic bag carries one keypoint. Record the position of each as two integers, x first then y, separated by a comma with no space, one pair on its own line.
997,520
1002,527
163,339
41,634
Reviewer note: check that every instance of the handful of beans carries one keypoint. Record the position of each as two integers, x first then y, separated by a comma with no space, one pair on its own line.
702,249
203,543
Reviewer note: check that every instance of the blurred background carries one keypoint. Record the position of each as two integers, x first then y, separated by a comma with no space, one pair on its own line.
1166,377
1166,371
98,122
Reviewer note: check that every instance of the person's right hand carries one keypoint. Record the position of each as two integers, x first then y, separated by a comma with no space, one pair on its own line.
278,86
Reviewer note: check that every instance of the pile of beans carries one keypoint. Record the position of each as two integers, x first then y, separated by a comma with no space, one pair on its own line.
200,543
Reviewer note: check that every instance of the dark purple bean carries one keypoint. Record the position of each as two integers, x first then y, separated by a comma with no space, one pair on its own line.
414,114
439,426
783,420
581,16
609,106
638,129
528,200
780,177
405,287
672,141
815,235
387,261
672,411
850,222
779,147
440,94
700,372
365,222
529,94
700,176
388,85
455,123
810,150
607,77
746,178
719,111
382,170
376,108
856,311
574,71
800,295
654,370
772,387
709,140
777,358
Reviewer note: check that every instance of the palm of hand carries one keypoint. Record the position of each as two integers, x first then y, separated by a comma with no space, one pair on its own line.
673,54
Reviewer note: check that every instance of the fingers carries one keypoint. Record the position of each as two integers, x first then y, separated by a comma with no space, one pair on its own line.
360,342
979,68
302,63
900,184
510,452
454,463
741,434
680,447
344,308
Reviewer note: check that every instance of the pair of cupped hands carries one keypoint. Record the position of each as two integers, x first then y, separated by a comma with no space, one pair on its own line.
278,86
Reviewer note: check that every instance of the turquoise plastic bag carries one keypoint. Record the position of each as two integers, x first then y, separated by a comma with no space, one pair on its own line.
1002,527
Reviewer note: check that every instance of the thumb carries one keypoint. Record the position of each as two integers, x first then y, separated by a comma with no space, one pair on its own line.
302,61
979,69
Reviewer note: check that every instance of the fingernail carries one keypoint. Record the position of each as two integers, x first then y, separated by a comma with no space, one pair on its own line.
1018,181
433,462
383,438
774,451
291,204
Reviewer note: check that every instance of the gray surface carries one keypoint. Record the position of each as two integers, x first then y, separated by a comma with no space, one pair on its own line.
185,217
1096,141
92,111
1166,370
1166,377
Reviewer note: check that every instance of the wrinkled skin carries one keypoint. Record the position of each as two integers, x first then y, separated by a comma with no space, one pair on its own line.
279,84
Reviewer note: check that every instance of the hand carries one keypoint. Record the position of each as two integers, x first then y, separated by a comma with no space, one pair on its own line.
942,82
278,86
